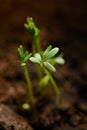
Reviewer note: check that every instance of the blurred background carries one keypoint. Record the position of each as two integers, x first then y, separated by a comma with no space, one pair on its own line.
62,22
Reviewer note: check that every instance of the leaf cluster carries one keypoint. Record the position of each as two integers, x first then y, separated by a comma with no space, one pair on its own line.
31,27
47,59
23,56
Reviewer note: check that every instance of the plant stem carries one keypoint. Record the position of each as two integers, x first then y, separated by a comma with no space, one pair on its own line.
37,48
55,87
39,71
27,77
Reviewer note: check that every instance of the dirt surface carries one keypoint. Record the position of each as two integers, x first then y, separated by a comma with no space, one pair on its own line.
9,120
66,28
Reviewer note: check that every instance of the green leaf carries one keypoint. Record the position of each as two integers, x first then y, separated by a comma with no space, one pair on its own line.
29,19
52,53
47,51
38,57
49,66
43,82
29,24
60,60
31,27
23,56
26,56
20,51
35,60
26,53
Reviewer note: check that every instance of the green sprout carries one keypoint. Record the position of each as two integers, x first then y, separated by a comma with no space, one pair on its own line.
23,58
36,46
47,61
45,64
35,34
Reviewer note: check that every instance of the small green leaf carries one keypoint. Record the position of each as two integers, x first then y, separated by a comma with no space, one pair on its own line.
37,56
60,60
20,49
43,82
26,58
20,52
35,60
29,19
47,51
27,55
23,56
29,24
52,53
31,27
49,66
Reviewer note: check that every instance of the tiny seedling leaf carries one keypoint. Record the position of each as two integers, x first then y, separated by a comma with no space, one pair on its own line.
26,56
59,60
49,66
47,51
38,57
31,27
43,82
34,59
23,56
20,52
52,53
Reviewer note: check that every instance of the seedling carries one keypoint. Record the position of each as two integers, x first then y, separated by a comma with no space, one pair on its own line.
23,58
44,60
35,34
47,61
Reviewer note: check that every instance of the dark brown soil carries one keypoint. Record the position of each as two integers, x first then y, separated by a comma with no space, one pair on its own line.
59,29
9,120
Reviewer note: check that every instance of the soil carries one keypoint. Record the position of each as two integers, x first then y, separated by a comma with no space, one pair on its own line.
71,114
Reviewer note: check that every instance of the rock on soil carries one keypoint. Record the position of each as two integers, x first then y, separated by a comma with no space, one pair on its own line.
9,120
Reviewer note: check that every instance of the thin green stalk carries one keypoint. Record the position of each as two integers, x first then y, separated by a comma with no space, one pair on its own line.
33,46
36,45
37,48
39,71
27,77
55,87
